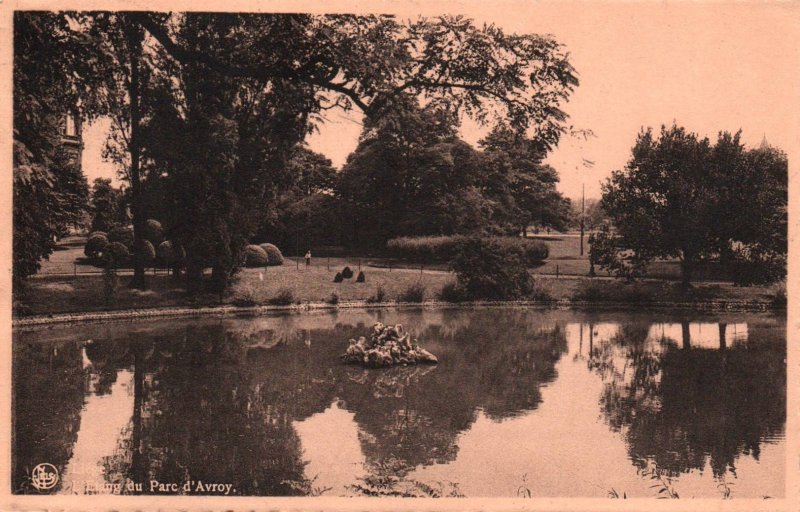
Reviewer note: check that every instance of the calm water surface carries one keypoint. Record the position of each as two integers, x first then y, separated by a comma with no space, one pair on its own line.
555,403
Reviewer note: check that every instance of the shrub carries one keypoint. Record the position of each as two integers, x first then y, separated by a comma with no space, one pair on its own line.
778,300
284,297
168,255
750,269
347,273
255,256
414,293
145,253
95,245
380,296
540,292
121,234
451,292
338,277
492,270
274,256
244,297
361,277
429,249
117,253
153,232
591,291
333,299
607,253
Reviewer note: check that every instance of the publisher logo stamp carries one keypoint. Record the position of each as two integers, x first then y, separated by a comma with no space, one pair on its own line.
44,476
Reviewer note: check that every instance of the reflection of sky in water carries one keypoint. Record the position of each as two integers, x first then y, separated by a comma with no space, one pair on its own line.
701,334
104,420
330,445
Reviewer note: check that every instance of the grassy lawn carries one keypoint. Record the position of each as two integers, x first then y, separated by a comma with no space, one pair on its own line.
565,258
49,294
64,258
68,294
315,283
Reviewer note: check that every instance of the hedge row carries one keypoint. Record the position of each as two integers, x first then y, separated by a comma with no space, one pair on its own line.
440,249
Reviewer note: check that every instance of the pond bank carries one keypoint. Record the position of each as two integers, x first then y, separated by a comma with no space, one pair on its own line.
230,310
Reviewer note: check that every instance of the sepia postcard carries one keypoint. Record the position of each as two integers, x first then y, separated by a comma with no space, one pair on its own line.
446,255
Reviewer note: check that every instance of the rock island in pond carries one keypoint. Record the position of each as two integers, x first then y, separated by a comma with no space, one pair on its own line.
388,345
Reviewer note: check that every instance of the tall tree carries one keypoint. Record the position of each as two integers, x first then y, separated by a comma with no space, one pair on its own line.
107,206
220,145
681,197
51,78
306,212
119,50
411,175
518,179
305,64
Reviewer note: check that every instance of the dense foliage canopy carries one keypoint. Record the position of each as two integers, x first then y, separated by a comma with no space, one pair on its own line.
684,197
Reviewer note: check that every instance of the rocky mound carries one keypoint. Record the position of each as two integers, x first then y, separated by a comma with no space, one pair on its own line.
388,345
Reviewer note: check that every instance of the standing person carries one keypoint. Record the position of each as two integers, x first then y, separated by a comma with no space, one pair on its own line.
308,258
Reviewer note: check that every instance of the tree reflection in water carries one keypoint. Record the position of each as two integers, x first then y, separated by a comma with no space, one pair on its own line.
488,360
681,406
48,392
217,401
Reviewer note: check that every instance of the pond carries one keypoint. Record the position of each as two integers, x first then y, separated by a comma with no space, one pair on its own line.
524,402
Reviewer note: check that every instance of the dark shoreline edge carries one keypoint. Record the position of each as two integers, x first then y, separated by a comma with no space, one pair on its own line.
228,310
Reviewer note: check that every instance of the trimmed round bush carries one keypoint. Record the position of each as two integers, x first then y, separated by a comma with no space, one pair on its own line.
274,256
338,277
255,256
153,232
361,277
117,252
167,254
347,273
95,245
145,252
121,234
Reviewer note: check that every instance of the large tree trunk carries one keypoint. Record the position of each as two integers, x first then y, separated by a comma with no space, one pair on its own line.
194,277
219,280
137,457
686,335
134,38
687,268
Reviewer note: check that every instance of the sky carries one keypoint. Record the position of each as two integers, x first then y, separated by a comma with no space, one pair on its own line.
706,66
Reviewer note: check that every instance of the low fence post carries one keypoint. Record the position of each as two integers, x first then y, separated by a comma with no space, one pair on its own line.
75,269
556,271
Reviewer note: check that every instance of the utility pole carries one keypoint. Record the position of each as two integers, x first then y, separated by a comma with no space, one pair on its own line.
583,204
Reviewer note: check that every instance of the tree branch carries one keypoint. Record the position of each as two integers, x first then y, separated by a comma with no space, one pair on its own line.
182,54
